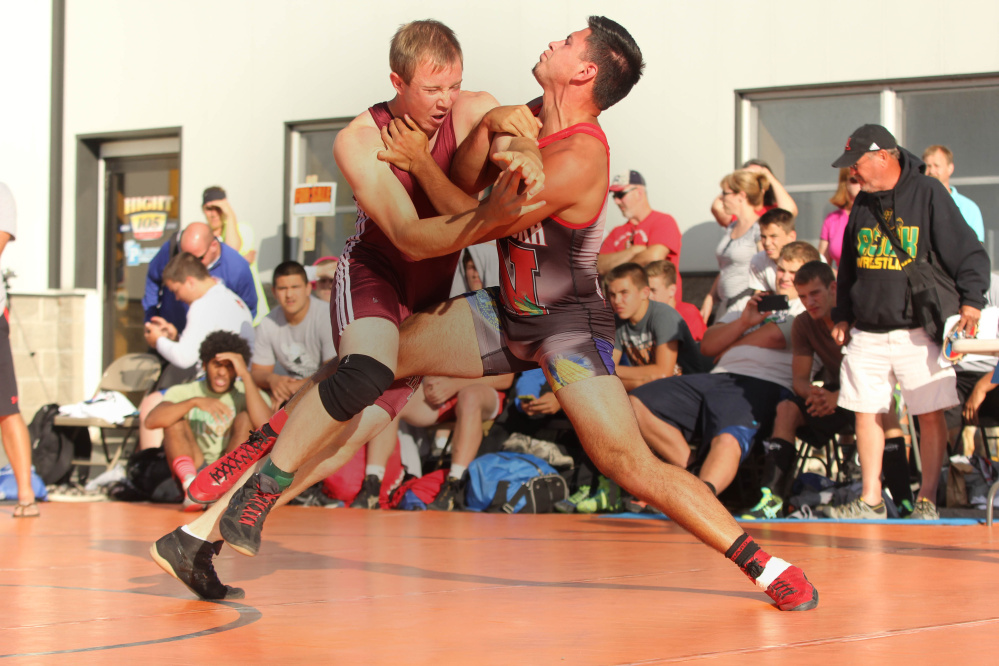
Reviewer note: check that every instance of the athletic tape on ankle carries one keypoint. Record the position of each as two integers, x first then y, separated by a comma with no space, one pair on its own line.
283,478
775,567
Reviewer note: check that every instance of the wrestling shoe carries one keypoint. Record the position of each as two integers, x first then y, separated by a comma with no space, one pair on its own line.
783,582
924,510
569,505
768,508
189,560
370,493
858,509
243,520
215,480
449,497
790,589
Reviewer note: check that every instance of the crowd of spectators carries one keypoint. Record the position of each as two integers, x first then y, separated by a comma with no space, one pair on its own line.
708,397
766,371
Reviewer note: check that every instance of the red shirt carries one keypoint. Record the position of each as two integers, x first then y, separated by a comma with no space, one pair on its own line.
692,316
656,229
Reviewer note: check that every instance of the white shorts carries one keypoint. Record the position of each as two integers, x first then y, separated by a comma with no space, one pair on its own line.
874,362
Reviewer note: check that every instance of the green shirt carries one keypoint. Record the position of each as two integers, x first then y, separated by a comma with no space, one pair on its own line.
210,433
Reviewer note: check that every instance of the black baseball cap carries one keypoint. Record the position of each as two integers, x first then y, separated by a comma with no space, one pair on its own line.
212,194
865,139
623,180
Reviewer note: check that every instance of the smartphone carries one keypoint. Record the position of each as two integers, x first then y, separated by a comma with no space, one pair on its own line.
525,398
772,302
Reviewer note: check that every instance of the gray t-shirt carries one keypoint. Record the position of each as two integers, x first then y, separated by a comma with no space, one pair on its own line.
660,325
299,350
8,223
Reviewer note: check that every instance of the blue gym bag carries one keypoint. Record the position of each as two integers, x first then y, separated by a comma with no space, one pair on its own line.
513,483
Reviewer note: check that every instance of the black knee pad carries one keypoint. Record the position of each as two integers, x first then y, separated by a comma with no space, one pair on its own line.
358,381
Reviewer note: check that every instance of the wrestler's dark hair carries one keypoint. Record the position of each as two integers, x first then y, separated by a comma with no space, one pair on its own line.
617,57
183,266
629,270
217,342
286,268
814,270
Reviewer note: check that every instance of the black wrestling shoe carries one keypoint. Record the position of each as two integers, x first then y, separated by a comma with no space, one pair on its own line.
370,493
189,560
449,497
243,520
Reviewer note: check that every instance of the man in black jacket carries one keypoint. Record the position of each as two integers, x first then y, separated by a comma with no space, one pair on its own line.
887,343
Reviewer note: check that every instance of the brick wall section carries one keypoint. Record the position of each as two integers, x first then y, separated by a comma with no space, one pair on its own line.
47,340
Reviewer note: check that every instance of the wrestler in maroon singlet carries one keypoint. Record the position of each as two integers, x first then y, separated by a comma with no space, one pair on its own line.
375,279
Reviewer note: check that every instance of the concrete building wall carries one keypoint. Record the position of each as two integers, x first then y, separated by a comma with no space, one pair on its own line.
232,73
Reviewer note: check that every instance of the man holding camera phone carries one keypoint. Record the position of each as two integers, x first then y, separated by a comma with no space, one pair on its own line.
728,407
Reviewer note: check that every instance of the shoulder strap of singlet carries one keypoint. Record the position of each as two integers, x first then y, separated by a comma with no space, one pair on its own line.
596,132
380,114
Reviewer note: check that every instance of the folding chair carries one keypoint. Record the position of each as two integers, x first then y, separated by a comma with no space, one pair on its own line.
134,375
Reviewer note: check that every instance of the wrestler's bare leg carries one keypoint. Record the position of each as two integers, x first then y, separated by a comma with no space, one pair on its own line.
420,351
603,418
310,427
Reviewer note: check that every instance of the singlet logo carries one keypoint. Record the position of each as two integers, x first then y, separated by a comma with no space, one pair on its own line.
533,236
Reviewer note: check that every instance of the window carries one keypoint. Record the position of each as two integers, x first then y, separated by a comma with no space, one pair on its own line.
311,150
799,132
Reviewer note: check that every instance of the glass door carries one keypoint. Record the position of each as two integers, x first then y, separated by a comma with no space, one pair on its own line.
142,212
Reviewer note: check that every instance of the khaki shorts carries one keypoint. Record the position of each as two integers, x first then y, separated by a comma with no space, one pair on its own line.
874,362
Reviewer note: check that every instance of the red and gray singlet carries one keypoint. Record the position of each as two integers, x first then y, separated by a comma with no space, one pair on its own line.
548,276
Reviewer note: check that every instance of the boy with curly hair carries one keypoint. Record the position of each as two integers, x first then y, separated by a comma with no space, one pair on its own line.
203,419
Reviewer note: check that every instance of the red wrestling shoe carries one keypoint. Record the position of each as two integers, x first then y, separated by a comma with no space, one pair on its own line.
215,480
789,588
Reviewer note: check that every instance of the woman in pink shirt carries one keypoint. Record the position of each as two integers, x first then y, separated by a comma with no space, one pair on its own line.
831,240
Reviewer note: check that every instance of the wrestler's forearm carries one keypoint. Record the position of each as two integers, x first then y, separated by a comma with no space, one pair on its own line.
470,164
445,196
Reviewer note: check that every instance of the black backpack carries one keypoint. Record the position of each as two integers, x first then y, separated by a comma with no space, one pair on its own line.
147,479
53,448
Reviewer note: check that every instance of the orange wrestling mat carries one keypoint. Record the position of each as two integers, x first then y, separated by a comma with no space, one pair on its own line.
346,586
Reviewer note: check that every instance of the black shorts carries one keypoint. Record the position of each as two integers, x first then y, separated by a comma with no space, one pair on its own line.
709,405
8,382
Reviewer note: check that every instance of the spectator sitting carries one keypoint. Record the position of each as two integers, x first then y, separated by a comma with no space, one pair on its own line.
742,195
222,220
653,335
468,403
201,420
814,404
478,268
974,389
211,306
834,226
727,407
295,339
776,231
662,277
322,285
646,235
221,261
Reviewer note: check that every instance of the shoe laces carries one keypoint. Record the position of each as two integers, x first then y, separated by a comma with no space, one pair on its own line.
780,589
245,454
204,562
257,505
